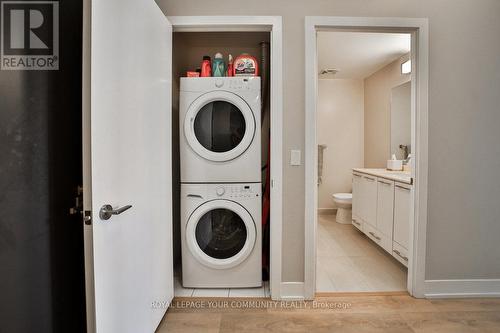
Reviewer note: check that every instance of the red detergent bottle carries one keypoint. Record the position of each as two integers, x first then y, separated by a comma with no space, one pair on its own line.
206,67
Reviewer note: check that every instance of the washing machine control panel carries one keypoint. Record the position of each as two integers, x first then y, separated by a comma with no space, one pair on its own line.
238,191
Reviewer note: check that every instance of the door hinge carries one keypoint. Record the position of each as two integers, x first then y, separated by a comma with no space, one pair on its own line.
87,217
78,208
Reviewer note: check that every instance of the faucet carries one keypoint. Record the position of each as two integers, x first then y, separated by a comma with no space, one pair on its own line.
405,150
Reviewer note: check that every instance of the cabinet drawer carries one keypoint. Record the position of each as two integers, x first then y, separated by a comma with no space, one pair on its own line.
378,237
400,253
357,222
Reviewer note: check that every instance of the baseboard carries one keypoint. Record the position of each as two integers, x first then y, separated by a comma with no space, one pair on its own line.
327,211
462,288
332,294
292,290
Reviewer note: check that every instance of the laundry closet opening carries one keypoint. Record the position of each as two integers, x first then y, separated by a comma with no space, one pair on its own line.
220,171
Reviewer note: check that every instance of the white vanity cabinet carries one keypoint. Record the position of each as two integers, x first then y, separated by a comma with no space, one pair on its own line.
381,210
402,200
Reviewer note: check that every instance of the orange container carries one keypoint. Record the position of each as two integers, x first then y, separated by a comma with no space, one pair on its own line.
193,74
245,65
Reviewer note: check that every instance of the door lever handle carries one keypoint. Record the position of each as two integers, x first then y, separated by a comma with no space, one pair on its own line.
107,211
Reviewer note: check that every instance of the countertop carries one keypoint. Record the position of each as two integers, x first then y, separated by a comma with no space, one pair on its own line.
398,176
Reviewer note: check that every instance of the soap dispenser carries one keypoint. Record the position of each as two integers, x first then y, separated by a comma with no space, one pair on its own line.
394,164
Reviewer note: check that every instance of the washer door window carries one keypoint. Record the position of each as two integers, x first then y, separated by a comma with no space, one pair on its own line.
219,126
220,234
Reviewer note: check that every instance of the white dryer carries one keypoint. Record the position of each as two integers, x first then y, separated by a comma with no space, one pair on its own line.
221,235
219,130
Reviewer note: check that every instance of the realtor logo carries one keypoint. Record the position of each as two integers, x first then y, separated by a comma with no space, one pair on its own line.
29,35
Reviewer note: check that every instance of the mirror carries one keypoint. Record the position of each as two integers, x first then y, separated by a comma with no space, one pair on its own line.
401,120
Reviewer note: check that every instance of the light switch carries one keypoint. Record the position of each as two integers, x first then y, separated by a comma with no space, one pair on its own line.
295,157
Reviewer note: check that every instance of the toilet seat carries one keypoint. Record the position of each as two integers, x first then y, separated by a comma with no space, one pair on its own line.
343,197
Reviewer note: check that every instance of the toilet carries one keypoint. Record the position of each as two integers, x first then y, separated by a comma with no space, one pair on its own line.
343,202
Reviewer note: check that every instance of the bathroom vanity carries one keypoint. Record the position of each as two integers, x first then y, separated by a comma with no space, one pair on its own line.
381,208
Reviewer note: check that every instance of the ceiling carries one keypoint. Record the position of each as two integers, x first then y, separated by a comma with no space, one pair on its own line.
357,55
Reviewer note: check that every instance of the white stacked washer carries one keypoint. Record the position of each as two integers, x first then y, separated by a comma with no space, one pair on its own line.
221,235
220,151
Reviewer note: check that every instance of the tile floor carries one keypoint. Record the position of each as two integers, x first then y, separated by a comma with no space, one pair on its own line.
348,261
180,291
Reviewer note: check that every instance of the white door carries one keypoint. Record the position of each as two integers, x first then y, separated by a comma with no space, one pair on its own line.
127,161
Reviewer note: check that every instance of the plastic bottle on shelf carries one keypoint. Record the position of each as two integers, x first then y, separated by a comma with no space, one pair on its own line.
218,66
206,68
230,68
246,65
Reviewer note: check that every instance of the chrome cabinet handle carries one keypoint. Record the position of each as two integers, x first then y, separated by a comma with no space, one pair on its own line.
400,255
374,236
403,188
370,179
356,222
356,175
385,183
107,211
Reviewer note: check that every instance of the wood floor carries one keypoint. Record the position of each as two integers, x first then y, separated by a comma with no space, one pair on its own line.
355,313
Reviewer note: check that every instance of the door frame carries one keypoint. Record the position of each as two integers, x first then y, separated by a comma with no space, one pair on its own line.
418,28
272,24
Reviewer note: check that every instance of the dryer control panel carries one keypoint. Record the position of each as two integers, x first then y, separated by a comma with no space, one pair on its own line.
240,84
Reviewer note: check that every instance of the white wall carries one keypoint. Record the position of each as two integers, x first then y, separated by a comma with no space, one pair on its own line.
464,157
340,127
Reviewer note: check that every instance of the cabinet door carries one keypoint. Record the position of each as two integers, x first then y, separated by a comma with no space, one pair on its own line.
357,196
402,214
369,200
385,206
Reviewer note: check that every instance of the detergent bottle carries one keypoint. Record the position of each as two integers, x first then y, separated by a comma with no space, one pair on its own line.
218,66
246,65
206,69
230,71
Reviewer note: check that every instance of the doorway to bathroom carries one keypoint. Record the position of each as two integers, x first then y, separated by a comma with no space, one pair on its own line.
362,174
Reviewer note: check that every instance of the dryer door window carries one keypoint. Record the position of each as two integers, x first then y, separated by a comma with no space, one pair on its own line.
220,234
219,126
